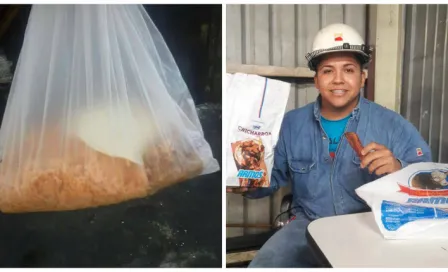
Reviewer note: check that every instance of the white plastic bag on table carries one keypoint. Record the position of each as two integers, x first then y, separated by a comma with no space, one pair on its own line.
411,203
98,112
255,109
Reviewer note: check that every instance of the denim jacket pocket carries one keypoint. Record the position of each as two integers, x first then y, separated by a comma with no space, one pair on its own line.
304,175
364,172
356,160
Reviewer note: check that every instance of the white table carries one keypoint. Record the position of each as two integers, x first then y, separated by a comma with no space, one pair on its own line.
355,241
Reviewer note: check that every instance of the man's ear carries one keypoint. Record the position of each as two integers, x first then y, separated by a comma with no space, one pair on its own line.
316,83
363,77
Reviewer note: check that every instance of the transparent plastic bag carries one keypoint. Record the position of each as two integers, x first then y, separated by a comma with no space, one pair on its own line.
98,113
5,69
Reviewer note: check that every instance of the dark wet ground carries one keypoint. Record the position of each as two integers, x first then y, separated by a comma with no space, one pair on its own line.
179,227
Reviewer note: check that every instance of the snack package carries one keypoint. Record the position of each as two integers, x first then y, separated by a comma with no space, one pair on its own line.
411,203
98,113
256,106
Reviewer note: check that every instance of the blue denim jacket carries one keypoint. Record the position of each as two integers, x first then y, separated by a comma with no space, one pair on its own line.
325,187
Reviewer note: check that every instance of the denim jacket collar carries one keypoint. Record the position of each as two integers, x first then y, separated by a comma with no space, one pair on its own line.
355,112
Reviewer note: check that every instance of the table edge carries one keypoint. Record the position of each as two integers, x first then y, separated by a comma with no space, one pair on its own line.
315,249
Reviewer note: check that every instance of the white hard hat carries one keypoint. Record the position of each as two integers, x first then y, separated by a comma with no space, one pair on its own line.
337,38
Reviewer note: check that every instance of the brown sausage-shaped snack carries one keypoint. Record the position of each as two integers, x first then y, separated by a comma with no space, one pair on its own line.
355,143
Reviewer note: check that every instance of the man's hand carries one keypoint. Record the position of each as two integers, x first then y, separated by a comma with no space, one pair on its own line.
379,159
239,190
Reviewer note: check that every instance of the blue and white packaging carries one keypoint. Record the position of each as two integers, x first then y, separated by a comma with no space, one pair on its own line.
411,203
255,109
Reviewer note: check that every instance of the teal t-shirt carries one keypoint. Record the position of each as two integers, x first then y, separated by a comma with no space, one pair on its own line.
334,130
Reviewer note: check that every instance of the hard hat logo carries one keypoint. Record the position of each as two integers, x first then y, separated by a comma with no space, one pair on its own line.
338,37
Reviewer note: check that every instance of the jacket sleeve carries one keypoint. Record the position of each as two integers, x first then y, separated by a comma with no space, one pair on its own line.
280,174
408,145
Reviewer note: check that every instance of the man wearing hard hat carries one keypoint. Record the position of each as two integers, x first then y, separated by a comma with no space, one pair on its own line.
314,155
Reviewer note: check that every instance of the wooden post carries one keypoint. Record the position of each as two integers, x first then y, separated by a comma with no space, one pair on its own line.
388,55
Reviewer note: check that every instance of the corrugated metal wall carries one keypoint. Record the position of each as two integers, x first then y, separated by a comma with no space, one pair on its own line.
279,35
425,87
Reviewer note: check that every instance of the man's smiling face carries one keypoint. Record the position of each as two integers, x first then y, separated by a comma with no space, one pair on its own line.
339,79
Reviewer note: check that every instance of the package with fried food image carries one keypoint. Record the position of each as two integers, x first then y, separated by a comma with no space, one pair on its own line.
249,155
256,108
